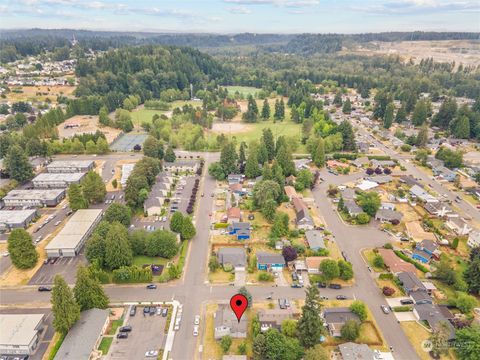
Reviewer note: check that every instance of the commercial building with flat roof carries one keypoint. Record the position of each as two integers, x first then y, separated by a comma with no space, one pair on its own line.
70,166
20,333
84,337
56,180
35,197
71,238
11,219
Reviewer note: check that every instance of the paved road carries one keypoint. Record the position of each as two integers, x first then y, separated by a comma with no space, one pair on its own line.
351,240
413,170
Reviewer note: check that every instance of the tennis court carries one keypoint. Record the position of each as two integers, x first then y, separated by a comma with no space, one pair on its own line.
126,142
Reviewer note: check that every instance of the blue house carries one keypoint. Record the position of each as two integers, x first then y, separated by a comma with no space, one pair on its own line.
424,251
240,229
270,261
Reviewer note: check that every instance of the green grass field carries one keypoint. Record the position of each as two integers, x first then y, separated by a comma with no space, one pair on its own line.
145,115
243,90
140,260
254,132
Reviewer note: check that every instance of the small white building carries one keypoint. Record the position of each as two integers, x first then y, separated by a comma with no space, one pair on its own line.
474,239
19,333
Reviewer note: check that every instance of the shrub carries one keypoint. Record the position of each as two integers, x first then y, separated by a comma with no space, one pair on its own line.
385,276
227,267
213,263
388,246
264,276
220,226
132,274
402,308
360,309
378,261
411,261
388,291
225,343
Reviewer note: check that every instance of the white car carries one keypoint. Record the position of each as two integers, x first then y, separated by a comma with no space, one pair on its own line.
164,219
195,330
5,254
151,353
196,321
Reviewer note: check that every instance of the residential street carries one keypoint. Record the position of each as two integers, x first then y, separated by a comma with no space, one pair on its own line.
192,290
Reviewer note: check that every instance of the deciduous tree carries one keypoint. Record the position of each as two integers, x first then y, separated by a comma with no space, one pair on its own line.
22,251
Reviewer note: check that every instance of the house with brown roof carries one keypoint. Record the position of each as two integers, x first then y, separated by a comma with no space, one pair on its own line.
393,263
313,263
273,318
234,215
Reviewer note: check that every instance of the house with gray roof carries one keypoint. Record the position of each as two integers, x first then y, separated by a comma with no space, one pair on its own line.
270,261
421,297
380,179
84,337
361,161
232,255
315,239
410,282
421,194
348,194
353,351
352,208
20,334
303,220
226,323
335,318
387,215
434,316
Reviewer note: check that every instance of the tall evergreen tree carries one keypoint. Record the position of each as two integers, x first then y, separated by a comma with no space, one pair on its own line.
348,136
187,231
66,312
265,110
285,160
401,115
445,114
88,292
251,115
17,165
337,100
388,116
262,153
170,155
422,137
22,251
319,158
461,128
252,169
117,248
420,113
228,158
241,153
93,188
310,325
268,140
347,106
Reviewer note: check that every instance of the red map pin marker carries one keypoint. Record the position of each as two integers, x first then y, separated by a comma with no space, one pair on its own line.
239,304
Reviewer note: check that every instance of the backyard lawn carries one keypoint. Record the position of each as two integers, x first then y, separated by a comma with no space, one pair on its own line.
145,115
140,260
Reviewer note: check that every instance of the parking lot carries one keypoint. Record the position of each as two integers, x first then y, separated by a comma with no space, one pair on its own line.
148,333
65,267
46,335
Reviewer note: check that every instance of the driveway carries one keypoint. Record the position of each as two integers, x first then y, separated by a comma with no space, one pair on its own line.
405,316
280,280
392,302
240,277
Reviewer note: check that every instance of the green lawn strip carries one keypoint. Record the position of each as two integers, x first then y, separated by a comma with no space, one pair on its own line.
105,344
141,260
243,90
115,325
56,347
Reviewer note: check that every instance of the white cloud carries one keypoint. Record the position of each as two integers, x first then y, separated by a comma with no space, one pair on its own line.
241,10
285,3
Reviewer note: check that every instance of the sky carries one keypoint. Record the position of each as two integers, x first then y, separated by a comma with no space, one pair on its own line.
234,16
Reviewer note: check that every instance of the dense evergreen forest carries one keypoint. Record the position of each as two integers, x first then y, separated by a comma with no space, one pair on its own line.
20,43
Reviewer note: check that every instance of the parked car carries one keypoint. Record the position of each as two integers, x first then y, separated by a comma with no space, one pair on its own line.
126,328
196,320
58,223
165,312
282,303
152,310
44,288
122,335
195,330
296,285
406,302
335,286
341,297
146,310
322,285
151,286
294,276
159,310
151,353
385,309
133,310
324,297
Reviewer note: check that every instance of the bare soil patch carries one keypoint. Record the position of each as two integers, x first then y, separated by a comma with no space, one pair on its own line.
85,124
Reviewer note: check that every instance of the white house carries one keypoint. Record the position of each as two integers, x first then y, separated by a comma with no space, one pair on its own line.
474,239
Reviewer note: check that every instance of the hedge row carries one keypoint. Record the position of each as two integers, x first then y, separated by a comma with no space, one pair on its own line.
353,156
220,226
132,274
411,261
